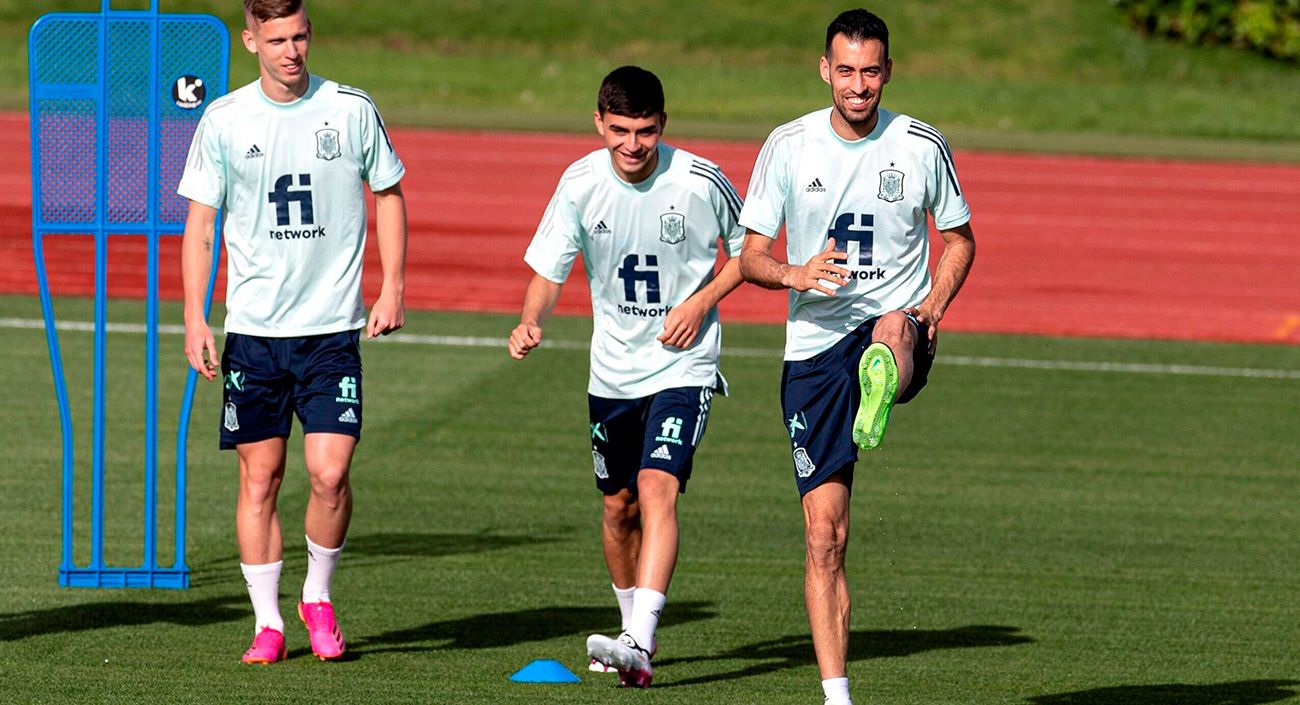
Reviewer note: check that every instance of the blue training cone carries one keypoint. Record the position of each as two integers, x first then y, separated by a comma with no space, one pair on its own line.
544,670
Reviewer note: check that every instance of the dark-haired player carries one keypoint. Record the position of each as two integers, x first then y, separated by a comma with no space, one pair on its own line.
852,184
647,219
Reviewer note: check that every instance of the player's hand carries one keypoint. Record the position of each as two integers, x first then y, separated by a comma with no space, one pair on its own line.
387,316
930,319
682,324
820,268
523,338
198,343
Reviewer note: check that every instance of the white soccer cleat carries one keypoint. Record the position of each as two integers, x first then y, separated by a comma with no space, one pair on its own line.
623,655
598,667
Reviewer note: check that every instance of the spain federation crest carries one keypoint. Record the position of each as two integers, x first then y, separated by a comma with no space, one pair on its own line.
327,144
891,186
672,228
803,465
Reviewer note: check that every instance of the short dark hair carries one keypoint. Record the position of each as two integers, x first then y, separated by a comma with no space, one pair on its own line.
858,26
266,10
631,91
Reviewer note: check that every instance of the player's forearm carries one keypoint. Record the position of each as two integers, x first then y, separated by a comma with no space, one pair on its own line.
726,281
390,230
950,272
757,266
196,259
539,300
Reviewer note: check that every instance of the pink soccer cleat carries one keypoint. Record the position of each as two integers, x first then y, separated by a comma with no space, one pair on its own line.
268,647
322,629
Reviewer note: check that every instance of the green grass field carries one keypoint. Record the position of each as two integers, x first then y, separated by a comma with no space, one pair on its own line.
1060,536
1063,75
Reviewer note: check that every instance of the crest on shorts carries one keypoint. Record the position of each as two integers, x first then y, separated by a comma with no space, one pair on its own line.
891,186
599,461
231,420
803,465
672,228
327,144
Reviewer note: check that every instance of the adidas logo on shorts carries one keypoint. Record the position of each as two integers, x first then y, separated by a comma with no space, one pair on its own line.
253,152
661,453
815,187
600,229
349,417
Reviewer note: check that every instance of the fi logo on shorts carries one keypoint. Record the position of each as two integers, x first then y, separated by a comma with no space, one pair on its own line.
347,391
670,431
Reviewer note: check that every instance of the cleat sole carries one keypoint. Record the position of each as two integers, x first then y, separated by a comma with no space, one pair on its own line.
878,379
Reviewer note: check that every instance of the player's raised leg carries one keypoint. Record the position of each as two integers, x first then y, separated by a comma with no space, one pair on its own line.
329,511
884,372
826,587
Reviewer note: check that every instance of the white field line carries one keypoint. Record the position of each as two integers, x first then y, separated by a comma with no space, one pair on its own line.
458,341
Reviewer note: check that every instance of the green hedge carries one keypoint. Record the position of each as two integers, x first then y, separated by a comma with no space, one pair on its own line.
1271,27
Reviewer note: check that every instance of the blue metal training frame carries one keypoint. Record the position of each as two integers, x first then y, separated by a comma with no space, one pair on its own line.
115,99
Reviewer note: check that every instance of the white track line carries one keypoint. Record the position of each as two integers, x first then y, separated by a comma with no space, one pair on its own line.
458,341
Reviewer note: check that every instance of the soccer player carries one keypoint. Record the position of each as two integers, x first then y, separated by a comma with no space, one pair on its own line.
287,157
647,219
853,184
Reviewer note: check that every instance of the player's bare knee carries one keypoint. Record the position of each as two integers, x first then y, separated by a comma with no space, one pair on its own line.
657,490
622,508
259,484
330,484
258,498
894,329
825,542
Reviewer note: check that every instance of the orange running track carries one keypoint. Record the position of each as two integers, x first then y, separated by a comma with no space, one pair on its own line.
1085,246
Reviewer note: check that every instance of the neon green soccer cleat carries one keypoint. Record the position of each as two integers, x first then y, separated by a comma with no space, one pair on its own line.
878,377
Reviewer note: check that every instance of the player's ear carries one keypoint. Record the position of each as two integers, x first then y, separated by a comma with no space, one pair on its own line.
600,123
249,43
825,66
889,70
663,122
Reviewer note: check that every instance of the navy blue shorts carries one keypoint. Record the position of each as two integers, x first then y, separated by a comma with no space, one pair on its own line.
268,380
819,397
660,431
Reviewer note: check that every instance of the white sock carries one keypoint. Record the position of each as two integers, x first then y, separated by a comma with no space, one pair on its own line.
321,562
647,605
263,583
624,596
837,691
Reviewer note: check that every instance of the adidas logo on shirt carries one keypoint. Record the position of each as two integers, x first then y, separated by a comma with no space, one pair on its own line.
661,453
600,229
815,187
253,153
349,417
